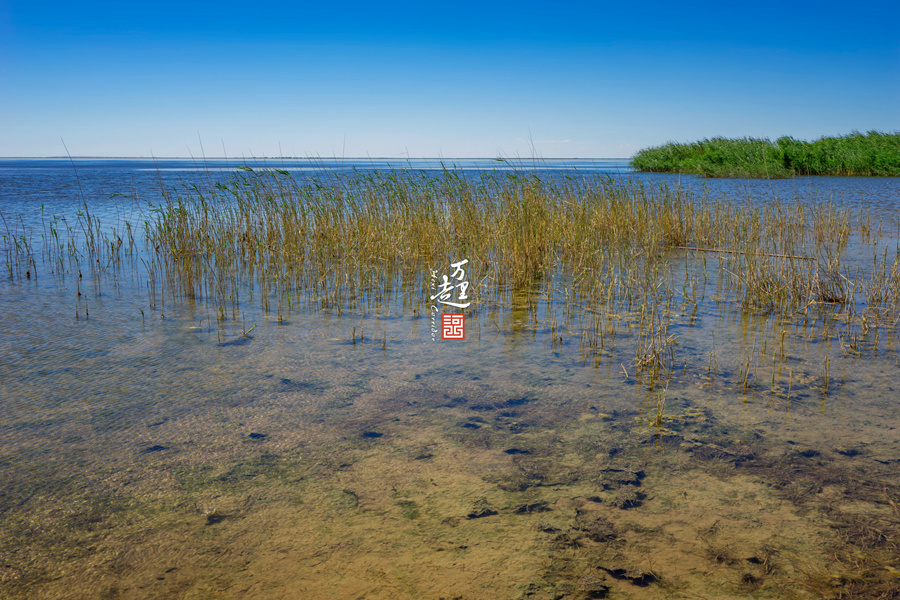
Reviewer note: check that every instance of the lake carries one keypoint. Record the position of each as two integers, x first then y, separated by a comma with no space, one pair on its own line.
153,447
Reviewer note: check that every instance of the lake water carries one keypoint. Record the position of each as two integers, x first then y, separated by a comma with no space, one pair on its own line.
147,453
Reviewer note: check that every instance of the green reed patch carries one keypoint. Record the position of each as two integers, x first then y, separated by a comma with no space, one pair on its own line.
872,153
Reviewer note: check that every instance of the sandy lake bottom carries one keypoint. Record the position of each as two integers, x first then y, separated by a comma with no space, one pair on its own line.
152,460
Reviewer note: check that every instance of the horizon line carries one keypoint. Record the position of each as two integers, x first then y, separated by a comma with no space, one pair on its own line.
492,158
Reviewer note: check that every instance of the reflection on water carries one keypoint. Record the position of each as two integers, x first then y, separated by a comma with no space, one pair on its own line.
146,454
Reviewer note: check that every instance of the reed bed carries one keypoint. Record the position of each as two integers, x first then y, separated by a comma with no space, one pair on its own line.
345,239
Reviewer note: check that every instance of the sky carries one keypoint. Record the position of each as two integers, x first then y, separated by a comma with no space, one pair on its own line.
336,78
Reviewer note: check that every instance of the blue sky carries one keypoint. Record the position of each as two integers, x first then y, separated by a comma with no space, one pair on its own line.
428,79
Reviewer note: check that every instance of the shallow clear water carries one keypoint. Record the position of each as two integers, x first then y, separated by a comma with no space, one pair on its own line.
145,453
